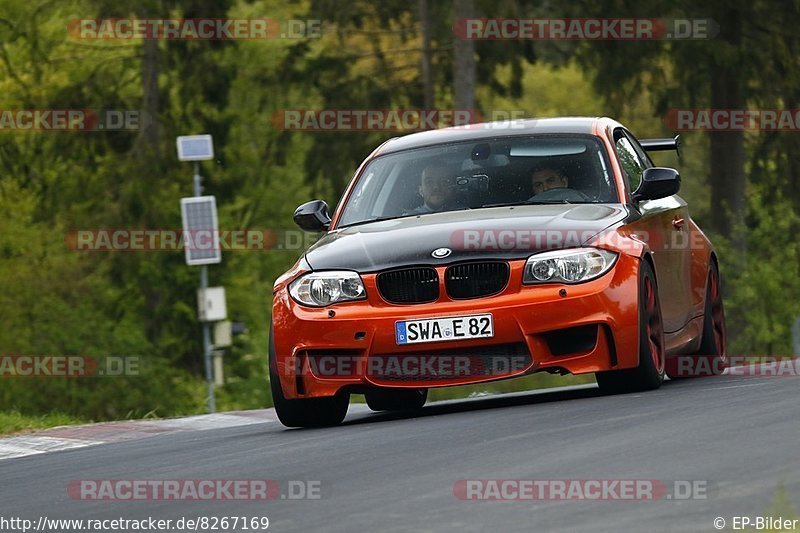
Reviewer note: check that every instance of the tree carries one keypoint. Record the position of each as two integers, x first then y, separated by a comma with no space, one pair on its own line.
464,60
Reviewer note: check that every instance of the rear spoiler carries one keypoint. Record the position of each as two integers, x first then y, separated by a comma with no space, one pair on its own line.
661,145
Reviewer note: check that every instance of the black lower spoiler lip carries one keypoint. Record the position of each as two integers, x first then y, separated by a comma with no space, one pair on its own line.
662,145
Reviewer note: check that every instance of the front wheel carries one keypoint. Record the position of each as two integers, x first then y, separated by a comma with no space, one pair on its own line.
304,413
651,370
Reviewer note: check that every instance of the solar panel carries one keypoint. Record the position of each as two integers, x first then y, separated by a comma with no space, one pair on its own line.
200,230
195,148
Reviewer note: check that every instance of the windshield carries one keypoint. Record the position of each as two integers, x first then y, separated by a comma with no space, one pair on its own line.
474,175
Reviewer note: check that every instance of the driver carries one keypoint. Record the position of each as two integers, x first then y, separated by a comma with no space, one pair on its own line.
546,179
437,188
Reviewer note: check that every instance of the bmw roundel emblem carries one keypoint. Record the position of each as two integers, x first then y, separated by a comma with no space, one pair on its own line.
440,253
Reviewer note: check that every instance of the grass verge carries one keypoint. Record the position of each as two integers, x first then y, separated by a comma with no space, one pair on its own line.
14,422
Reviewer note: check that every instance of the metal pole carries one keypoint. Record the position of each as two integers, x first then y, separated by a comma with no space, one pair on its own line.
207,346
198,191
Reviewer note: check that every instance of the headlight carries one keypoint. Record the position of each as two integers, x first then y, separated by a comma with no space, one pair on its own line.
319,289
568,266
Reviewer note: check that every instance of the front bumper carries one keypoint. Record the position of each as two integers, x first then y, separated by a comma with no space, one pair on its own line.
591,327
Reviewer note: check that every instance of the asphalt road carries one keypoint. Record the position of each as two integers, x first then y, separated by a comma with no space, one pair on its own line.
739,435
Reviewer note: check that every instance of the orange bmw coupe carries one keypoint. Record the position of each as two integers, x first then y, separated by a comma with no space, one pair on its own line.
492,251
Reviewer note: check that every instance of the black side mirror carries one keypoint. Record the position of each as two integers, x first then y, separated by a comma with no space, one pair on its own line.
657,182
313,216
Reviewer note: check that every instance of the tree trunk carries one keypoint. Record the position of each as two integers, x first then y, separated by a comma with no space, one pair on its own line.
727,147
147,148
791,144
425,65
464,60
148,127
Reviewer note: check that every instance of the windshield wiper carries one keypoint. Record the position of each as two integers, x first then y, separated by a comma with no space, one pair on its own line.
407,215
535,202
376,219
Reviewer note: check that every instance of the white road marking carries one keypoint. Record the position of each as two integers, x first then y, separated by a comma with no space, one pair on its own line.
735,386
29,445
71,437
201,422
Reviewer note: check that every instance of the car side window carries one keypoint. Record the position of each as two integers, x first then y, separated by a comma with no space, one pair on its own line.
632,164
648,163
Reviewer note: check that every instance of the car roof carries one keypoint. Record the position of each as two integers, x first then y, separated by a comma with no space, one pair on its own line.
489,130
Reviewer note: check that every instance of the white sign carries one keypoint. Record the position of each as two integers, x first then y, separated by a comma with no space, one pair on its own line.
211,304
195,148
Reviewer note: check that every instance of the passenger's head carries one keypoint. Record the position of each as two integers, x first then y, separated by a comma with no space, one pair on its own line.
437,186
545,179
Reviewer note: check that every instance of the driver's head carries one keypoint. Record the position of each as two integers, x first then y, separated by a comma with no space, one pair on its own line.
437,187
546,179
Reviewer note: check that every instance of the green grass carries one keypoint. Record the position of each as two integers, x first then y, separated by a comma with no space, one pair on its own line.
780,507
13,422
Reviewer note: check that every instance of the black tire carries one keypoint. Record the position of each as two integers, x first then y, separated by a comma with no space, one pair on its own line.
712,358
396,399
304,413
649,374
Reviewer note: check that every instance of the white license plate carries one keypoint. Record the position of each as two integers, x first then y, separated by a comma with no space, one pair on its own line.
451,328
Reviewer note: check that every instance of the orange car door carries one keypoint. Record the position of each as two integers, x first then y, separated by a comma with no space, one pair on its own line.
664,223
